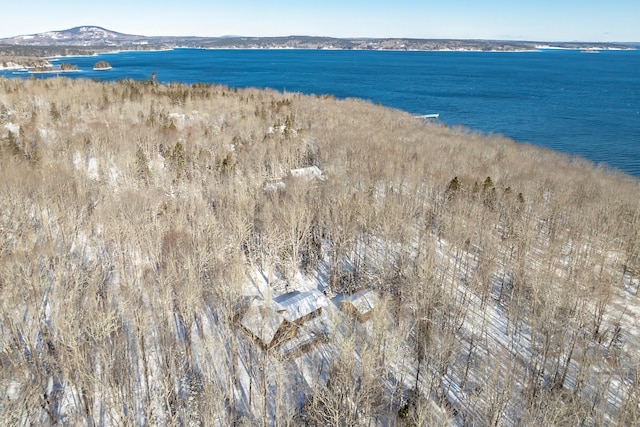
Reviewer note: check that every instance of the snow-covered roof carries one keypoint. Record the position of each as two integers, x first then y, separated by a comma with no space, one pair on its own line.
363,301
312,331
262,319
295,305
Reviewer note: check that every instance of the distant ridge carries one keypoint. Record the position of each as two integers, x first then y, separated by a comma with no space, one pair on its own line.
99,37
87,35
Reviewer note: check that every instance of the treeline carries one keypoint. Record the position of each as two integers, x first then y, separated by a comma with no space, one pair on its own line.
34,56
23,61
49,51
133,212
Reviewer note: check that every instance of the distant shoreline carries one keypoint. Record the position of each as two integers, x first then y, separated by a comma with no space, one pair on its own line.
337,49
94,41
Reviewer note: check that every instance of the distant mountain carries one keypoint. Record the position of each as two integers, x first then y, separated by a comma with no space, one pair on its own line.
77,36
91,37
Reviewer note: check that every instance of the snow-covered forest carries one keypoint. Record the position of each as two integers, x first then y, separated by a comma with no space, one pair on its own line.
200,255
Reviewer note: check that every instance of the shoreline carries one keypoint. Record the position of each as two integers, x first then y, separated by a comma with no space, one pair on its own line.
116,52
538,48
56,58
356,50
462,50
53,71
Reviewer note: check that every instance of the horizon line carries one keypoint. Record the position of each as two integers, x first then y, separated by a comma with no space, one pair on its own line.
329,36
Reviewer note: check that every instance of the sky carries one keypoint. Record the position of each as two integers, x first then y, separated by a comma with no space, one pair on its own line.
543,20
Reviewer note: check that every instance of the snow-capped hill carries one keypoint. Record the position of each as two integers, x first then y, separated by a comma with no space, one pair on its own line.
79,36
93,32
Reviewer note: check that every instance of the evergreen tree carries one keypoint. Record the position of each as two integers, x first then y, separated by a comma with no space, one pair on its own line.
12,142
489,193
142,166
54,112
453,187
179,159
487,185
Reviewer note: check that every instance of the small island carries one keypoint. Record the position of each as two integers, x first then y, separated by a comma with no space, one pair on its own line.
101,66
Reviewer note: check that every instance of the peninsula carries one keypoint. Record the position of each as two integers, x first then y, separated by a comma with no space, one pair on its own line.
48,68
188,254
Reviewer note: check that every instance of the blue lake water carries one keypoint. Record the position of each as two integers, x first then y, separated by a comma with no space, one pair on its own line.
570,101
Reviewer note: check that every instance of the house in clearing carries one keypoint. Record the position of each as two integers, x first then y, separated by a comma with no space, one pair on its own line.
360,304
281,320
298,307
266,324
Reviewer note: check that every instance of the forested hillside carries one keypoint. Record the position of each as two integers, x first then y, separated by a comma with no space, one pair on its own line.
144,228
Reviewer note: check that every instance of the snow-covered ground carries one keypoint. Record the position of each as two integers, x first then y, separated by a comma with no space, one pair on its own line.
481,336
